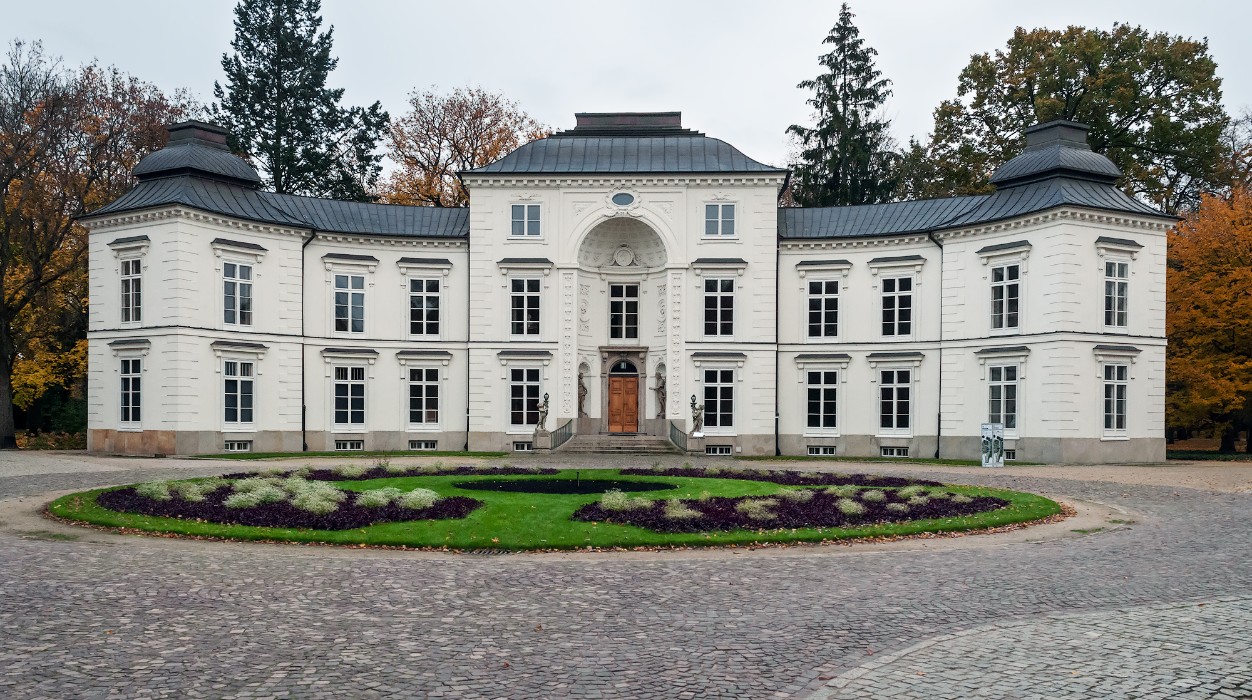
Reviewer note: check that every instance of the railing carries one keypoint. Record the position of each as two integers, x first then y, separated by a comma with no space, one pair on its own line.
562,434
677,436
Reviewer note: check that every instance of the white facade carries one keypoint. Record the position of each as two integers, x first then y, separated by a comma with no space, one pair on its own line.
908,352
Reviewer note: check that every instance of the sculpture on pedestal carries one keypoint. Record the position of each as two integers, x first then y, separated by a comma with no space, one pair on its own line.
697,417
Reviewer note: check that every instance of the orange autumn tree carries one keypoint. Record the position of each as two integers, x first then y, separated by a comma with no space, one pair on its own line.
442,135
1209,318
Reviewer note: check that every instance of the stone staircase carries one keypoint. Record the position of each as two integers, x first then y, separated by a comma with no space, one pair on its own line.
622,443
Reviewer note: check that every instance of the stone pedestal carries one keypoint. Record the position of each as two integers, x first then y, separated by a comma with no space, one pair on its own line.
542,441
695,444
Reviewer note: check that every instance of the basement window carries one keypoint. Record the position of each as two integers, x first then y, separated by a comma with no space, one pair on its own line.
1010,455
717,449
238,446
894,452
523,446
821,450
425,445
349,445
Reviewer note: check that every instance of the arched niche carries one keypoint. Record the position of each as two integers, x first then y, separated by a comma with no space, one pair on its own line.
622,242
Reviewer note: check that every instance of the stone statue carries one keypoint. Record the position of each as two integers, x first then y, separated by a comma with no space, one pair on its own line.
542,425
697,417
582,394
660,393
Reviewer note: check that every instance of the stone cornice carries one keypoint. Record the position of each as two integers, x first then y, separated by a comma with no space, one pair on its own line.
393,241
887,241
1091,216
133,218
573,181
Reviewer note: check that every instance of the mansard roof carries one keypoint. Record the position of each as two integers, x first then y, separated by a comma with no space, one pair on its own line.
1057,169
626,142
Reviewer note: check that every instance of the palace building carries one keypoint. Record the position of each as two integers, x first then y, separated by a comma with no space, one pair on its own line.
621,268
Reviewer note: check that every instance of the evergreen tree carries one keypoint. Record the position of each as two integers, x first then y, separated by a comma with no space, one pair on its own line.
282,115
848,157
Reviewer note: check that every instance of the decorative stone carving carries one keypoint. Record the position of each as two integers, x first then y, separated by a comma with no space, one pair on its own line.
542,425
697,417
623,256
569,345
584,301
660,390
661,305
582,393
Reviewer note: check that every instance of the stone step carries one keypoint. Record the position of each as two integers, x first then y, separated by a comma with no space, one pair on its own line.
626,444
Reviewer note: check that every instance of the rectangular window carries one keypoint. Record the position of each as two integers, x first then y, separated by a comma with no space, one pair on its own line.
525,220
822,395
894,452
132,291
719,307
897,306
423,396
349,396
1005,296
1002,395
1116,380
821,450
423,445
1116,286
237,446
523,396
237,293
894,399
237,389
349,303
823,308
720,450
1010,455
719,398
623,311
719,219
525,320
423,307
349,445
130,398
523,446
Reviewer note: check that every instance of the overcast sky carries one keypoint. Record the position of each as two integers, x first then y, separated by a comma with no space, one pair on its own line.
730,66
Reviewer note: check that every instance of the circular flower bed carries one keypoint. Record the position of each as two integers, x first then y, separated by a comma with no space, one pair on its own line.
565,486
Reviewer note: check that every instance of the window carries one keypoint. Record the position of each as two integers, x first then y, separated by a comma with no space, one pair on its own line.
719,307
719,219
1116,380
897,306
1010,455
423,445
523,446
823,308
423,396
131,397
525,220
717,449
623,311
822,395
237,446
1002,396
349,445
237,390
893,452
349,303
1116,284
132,291
523,396
1005,296
894,402
821,450
525,306
349,396
719,398
423,307
237,293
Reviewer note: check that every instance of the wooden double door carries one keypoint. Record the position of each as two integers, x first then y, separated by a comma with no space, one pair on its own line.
623,404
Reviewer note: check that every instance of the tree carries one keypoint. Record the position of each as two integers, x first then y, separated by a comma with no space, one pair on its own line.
68,143
443,135
848,157
282,115
1153,102
1209,318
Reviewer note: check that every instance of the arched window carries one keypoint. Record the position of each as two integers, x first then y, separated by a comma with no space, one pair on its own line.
623,367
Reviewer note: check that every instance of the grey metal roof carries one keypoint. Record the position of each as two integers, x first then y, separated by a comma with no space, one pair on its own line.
626,154
904,355
197,147
822,357
895,259
524,353
1005,350
1116,348
871,219
1058,147
1124,242
200,193
823,263
335,216
124,240
524,261
1011,245
717,355
349,351
350,256
423,353
127,342
719,261
237,244
237,344
441,262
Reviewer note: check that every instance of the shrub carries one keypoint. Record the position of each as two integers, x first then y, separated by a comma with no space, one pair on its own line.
873,496
796,495
961,498
938,493
255,491
918,501
195,491
677,510
704,497
313,496
615,500
378,498
382,462
758,508
897,508
713,471
350,471
908,492
848,491
847,506
417,499
156,490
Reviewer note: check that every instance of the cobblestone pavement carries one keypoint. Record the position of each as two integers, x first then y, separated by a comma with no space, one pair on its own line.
118,617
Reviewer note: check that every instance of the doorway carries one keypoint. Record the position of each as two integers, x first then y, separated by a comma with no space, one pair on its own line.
623,397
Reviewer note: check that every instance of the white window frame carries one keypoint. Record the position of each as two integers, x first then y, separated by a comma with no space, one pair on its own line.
1115,356
1003,357
127,373
239,283
1124,281
360,268
348,278
625,300
736,374
821,271
879,365
238,360
822,297
895,430
526,293
719,221
131,312
839,378
705,294
438,383
510,383
822,363
896,268
1005,329
1115,383
990,377
1001,255
350,426
423,269
425,294
896,294
530,221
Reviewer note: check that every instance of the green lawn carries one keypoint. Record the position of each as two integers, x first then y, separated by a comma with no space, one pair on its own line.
523,521
1208,456
244,456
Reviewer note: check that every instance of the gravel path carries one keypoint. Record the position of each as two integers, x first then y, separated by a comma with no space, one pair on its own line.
105,616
